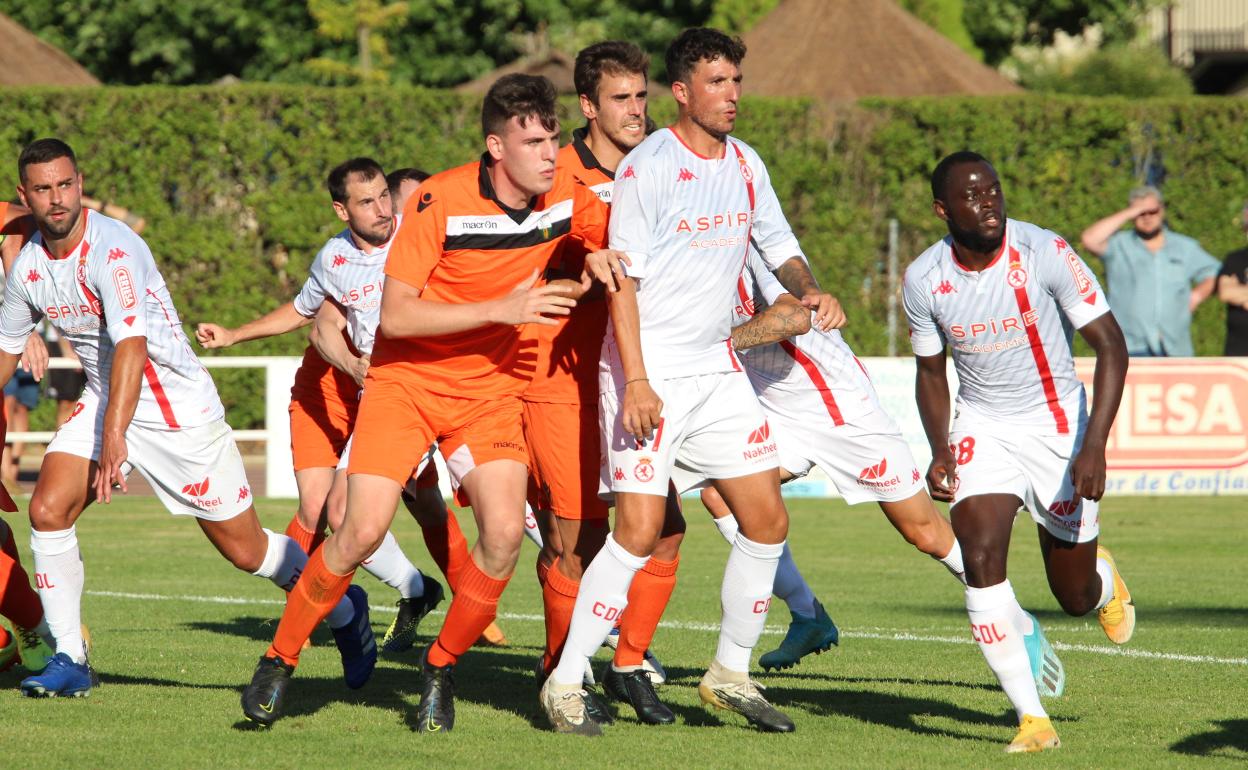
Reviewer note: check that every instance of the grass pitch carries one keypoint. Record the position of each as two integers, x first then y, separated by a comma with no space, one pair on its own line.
177,632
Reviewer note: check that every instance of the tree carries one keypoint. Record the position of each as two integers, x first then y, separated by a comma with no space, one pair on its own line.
1119,70
997,26
357,20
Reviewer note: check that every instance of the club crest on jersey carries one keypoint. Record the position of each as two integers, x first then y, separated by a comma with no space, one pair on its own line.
1017,277
543,224
747,173
644,470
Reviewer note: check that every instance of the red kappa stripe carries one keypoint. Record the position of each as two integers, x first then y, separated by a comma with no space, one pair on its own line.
158,390
1037,352
816,377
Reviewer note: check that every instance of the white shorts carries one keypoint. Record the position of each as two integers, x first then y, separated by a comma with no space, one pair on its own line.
993,459
866,457
194,471
712,427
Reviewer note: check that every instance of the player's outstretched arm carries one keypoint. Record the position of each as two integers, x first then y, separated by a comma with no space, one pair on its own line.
405,314
124,383
1096,238
931,390
784,318
280,321
1104,335
327,338
795,276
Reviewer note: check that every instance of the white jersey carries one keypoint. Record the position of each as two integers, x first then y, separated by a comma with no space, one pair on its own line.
1005,325
685,222
817,359
353,278
108,290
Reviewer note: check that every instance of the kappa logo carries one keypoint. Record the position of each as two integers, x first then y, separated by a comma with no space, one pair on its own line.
629,173
33,276
944,287
244,492
426,200
685,175
1017,277
760,435
877,471
619,474
196,490
914,475
338,261
1064,508
116,254
644,470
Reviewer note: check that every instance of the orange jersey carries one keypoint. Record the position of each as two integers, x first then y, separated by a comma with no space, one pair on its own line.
316,378
21,228
567,354
459,244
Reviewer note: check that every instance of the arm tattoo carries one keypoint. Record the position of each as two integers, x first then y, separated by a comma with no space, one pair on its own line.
778,322
795,276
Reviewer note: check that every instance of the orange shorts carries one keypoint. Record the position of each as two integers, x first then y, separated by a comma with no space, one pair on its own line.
399,421
319,429
565,460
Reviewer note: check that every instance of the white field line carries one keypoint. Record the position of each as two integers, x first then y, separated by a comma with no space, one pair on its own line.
896,636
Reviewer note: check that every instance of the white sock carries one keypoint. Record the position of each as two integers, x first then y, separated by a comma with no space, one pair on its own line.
1107,582
283,563
745,597
60,579
391,566
530,527
601,599
953,562
727,527
991,612
792,587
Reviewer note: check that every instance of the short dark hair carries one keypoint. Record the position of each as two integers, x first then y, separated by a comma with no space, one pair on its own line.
519,96
940,174
700,44
610,57
396,178
367,168
44,151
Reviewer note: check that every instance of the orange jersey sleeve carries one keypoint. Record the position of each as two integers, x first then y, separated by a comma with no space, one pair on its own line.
418,245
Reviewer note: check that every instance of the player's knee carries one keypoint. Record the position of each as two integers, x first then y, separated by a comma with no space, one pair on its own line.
48,513
925,537
983,568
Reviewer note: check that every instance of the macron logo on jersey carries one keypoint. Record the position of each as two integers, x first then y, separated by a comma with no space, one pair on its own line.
425,202
685,175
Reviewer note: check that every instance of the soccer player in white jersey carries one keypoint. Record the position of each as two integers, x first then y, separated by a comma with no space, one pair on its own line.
686,204
347,270
998,291
822,410
149,404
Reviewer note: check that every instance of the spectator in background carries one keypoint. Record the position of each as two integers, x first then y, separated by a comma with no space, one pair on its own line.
21,396
1155,277
1233,290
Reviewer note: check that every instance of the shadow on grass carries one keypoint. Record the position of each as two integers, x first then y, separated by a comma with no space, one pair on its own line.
1228,734
900,712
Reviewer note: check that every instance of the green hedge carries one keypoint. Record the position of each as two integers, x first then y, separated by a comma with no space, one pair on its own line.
231,180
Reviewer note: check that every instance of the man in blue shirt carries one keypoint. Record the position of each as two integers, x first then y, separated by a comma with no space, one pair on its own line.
1154,276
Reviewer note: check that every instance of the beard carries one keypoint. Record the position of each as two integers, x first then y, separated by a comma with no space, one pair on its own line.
63,228
975,240
1148,235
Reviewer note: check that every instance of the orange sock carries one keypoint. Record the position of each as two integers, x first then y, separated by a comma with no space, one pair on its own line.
473,608
647,599
315,595
18,601
559,599
543,569
308,540
449,549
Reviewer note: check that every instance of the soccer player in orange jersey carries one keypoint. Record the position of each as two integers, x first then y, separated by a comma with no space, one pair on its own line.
561,403
449,366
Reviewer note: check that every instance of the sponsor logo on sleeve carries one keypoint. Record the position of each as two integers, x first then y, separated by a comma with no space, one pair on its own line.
125,288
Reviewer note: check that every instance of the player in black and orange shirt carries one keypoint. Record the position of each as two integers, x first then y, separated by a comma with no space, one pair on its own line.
448,365
562,402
